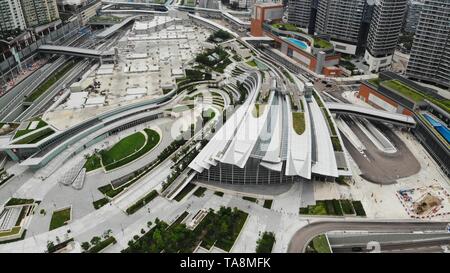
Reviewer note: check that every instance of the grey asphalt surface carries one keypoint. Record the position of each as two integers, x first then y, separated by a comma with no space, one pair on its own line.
305,234
379,167
402,247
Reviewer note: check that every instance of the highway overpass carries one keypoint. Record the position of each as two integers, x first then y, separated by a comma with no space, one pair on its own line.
304,235
371,113
76,51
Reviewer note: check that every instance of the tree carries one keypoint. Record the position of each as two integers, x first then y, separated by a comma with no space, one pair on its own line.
50,246
95,240
85,246
107,233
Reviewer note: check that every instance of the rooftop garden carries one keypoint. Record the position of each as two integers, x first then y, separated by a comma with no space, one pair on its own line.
287,27
35,137
375,82
258,110
106,19
216,58
219,36
415,95
298,120
252,63
322,43
22,132
403,89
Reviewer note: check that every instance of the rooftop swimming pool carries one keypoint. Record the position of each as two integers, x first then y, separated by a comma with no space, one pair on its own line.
440,127
298,43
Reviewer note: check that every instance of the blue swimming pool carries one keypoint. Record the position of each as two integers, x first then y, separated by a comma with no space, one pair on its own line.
440,127
298,43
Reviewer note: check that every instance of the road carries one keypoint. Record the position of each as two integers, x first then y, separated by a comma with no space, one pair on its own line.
304,235
25,88
435,245
47,97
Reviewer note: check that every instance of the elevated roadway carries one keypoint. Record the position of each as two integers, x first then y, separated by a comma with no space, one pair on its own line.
75,51
370,113
114,28
304,235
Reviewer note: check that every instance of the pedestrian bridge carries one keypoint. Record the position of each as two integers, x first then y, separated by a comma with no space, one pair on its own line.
75,51
370,113
114,28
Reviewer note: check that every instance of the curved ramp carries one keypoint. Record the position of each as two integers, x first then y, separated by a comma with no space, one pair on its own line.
370,113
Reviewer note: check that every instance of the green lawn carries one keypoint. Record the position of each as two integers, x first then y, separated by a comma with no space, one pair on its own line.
413,94
92,163
321,43
40,124
336,144
252,63
287,27
35,137
13,231
298,120
332,207
120,153
125,147
18,201
375,81
403,89
60,218
320,244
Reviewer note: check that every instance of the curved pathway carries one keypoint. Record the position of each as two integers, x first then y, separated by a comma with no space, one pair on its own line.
305,234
